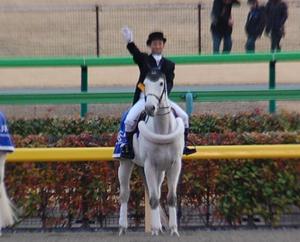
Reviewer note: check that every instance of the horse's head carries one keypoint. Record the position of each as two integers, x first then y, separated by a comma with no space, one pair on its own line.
155,89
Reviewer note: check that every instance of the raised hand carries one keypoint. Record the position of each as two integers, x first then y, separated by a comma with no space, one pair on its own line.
127,34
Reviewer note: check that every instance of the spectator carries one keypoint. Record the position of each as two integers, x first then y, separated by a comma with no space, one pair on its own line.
221,26
255,24
277,14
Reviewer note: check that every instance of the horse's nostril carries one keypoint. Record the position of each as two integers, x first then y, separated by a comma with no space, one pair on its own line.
150,109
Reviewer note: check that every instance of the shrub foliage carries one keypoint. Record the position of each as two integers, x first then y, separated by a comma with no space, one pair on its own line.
222,192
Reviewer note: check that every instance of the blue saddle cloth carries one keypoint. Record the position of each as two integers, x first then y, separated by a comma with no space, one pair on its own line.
121,140
6,143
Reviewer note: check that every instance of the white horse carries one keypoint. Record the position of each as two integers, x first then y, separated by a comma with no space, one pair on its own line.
159,150
7,216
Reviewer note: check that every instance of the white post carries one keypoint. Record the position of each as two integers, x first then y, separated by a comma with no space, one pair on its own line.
147,214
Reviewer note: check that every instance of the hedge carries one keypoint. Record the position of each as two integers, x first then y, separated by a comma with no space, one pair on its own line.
221,192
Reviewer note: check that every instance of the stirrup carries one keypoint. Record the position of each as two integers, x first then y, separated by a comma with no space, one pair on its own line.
189,151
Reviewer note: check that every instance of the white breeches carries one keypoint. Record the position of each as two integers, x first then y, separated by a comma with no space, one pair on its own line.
135,111
180,113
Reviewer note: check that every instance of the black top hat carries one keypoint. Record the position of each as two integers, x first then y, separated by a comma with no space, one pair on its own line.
156,36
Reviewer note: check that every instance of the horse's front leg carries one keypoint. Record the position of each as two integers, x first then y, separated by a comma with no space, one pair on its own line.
124,174
172,179
154,177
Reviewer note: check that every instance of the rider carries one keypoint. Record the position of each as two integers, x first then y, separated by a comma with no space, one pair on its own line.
156,42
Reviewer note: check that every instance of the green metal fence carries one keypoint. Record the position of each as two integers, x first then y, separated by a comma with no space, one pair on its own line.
85,97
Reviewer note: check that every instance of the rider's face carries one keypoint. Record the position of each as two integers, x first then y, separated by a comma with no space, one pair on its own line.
157,46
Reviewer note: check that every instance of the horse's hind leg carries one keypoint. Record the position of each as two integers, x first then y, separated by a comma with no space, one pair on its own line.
172,180
124,174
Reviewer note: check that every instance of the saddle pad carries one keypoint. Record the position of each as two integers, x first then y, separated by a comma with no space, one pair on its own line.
121,140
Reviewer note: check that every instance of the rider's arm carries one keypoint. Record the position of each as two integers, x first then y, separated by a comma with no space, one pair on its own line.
138,56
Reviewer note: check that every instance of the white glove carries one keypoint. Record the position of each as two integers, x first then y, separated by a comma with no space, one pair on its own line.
127,34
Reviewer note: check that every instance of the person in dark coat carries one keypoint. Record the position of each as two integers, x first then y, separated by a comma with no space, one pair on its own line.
222,23
255,24
277,14
147,62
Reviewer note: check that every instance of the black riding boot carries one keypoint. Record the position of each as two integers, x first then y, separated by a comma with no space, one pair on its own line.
127,150
187,150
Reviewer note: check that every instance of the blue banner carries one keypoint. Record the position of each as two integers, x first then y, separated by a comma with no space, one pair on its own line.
6,143
122,140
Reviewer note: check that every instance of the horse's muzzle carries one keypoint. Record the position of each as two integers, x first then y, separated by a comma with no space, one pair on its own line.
150,110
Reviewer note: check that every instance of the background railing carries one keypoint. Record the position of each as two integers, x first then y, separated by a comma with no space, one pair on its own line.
219,96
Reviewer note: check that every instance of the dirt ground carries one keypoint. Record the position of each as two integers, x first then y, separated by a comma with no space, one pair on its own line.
127,76
27,32
17,79
106,2
289,235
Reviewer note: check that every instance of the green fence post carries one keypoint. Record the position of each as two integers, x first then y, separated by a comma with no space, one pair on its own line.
84,88
189,103
272,85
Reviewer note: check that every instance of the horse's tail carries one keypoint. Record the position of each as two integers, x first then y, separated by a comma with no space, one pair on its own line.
7,215
162,138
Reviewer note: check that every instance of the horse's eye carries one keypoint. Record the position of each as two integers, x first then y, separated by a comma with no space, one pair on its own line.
161,84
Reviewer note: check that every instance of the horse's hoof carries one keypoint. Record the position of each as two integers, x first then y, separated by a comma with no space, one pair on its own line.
174,232
156,232
122,231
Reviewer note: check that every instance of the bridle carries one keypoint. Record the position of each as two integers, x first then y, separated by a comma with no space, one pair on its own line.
159,98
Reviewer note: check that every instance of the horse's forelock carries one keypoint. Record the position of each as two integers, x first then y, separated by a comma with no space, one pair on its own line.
155,76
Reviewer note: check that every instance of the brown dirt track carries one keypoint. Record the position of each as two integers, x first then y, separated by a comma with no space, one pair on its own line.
290,235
